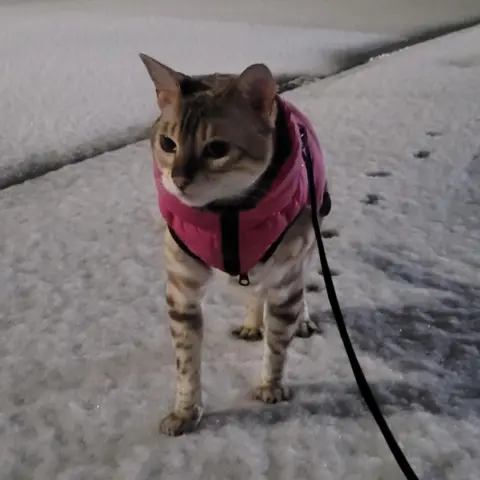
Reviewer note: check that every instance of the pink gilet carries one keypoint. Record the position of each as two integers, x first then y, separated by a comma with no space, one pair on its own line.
254,230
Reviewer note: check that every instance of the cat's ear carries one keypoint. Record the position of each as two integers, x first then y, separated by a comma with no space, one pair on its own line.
256,82
166,80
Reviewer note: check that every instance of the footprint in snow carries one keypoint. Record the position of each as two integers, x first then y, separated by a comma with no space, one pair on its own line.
379,174
422,154
371,199
330,233
332,271
312,287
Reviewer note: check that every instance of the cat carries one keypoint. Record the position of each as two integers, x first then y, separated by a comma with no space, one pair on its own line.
232,189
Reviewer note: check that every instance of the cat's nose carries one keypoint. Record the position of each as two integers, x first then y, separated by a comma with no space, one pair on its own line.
180,182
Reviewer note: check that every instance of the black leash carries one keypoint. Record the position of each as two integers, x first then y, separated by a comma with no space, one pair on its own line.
362,382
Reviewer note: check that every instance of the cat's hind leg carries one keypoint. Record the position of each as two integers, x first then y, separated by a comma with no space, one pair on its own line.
252,328
306,327
285,309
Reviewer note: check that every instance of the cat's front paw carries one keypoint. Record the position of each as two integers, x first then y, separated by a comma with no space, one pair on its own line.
272,393
175,424
249,334
306,328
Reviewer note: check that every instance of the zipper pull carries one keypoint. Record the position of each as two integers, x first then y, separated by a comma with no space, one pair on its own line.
243,280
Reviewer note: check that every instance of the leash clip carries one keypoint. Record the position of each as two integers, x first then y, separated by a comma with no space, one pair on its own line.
243,280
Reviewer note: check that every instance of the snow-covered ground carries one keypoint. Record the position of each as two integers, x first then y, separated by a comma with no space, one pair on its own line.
373,16
85,354
71,84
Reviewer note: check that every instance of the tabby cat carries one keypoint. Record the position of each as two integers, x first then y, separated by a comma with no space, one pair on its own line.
218,147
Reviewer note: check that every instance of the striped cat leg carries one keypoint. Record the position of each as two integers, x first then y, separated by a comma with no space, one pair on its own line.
186,281
306,326
252,328
285,305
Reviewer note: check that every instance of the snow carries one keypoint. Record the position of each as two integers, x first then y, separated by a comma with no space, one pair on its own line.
78,60
72,85
373,16
85,350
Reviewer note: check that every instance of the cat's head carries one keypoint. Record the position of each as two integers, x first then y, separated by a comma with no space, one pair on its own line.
215,134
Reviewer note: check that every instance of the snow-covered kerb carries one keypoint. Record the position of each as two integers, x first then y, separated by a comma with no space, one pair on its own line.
71,83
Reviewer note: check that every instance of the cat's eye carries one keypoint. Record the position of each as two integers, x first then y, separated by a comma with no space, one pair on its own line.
167,144
216,149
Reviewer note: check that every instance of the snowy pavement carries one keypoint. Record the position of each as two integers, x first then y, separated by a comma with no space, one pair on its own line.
71,84
387,17
85,354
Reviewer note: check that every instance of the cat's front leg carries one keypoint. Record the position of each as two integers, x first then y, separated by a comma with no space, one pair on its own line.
285,309
186,281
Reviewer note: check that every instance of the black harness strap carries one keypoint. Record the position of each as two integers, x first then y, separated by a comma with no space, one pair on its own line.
183,246
323,212
229,227
230,238
362,382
